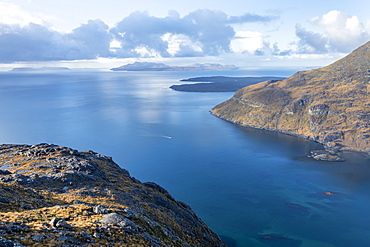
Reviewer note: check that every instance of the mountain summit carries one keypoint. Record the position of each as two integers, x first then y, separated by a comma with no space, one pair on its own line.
329,105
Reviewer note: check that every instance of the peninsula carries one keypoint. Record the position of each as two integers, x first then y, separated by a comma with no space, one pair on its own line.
57,196
148,66
220,83
329,105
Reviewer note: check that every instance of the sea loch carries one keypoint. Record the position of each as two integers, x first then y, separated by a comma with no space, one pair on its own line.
252,187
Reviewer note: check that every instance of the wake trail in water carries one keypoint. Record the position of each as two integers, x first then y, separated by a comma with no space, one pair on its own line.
150,133
158,136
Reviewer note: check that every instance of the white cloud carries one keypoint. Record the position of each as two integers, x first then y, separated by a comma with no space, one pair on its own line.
177,44
27,36
341,31
11,14
247,41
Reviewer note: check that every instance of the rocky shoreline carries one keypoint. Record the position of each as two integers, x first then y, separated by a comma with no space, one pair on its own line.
57,196
329,154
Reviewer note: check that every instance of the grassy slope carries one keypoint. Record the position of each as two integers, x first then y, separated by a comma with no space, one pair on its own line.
329,105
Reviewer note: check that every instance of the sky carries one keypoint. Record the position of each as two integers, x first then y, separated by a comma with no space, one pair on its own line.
244,33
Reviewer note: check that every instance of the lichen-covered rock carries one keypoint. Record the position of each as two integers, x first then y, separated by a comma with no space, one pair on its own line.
53,196
119,220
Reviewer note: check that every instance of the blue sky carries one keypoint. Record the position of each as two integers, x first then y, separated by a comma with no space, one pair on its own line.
240,32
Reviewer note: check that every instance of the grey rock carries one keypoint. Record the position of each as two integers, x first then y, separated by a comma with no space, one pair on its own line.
62,223
9,243
26,206
112,218
85,235
38,238
324,155
119,220
59,222
62,239
4,200
4,172
99,209
16,226
54,221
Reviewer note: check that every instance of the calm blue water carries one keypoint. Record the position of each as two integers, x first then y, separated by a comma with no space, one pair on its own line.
244,183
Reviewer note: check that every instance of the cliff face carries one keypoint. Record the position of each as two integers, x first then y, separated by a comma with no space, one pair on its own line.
56,196
329,105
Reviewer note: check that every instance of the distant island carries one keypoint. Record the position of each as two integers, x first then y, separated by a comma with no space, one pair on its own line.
221,83
26,69
148,66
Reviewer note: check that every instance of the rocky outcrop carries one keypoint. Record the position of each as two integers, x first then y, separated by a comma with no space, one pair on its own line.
324,155
329,105
57,196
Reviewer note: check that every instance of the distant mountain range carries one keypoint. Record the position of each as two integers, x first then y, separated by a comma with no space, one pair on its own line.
148,66
329,105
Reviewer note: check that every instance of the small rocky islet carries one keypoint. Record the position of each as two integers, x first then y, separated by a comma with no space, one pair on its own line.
326,155
57,196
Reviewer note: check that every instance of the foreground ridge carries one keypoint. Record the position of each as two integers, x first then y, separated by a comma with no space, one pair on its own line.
57,196
329,105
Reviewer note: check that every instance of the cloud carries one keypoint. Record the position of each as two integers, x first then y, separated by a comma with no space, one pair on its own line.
12,14
28,43
139,30
202,32
250,18
247,41
253,42
210,29
342,33
35,42
88,41
311,42
205,29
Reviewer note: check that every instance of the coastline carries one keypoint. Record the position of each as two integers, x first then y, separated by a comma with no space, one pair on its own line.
339,150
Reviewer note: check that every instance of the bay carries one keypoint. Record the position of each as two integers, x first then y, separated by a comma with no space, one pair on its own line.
252,187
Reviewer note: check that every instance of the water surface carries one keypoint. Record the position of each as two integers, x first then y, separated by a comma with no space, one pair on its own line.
252,187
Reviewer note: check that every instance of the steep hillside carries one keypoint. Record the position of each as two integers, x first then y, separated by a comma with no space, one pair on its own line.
329,105
56,196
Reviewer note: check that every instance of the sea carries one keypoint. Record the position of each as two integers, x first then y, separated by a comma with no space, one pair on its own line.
251,187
